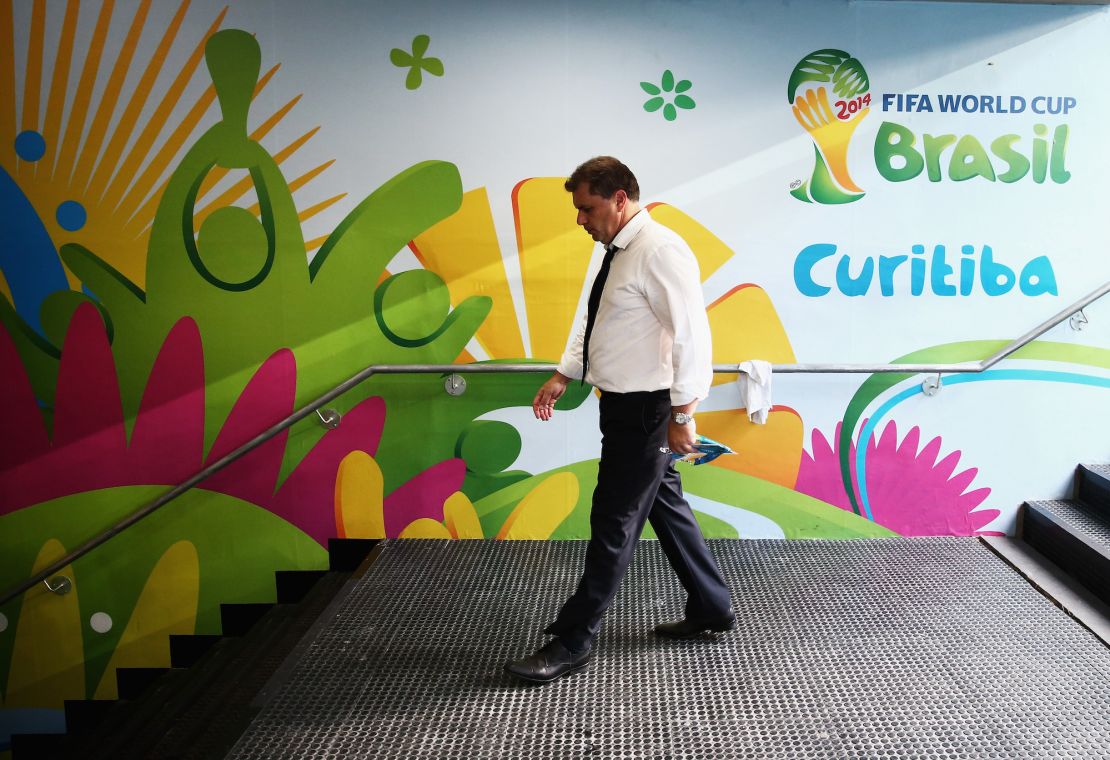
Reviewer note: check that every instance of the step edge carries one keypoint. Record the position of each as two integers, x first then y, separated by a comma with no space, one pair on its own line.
1067,527
1051,580
285,670
1095,481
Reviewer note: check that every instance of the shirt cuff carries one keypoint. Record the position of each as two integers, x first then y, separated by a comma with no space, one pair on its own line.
682,398
571,368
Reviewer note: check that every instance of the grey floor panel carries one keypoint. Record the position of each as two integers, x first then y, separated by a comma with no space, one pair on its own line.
886,648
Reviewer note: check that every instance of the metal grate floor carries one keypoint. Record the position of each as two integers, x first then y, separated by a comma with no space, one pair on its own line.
887,648
1083,519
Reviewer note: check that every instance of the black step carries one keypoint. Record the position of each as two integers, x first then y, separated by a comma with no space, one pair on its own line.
239,617
131,682
346,554
206,707
187,648
294,585
212,721
199,707
85,715
1092,484
1073,534
111,738
37,746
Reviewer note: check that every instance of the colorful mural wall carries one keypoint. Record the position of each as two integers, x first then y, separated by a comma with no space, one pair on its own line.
212,215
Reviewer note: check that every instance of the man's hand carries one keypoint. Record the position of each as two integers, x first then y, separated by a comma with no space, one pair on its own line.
550,392
681,438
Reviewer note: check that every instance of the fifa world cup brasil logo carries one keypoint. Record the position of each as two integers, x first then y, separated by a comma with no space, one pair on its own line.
830,120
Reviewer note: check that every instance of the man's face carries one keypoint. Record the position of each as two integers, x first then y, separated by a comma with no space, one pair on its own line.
600,217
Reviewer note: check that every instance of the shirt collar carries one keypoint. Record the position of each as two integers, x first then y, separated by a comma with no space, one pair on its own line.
633,226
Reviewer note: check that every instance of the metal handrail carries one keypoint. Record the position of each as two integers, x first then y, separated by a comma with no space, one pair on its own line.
405,369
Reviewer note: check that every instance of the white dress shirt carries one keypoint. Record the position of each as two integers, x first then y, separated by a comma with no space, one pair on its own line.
651,331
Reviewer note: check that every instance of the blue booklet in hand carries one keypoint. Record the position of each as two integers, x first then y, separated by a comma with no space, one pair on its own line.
707,451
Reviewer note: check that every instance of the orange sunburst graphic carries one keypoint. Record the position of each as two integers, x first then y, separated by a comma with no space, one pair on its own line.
94,172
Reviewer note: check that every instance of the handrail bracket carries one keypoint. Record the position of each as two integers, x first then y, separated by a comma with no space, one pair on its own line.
931,385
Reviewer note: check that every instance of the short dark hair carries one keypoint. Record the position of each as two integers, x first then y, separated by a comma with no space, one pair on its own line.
604,175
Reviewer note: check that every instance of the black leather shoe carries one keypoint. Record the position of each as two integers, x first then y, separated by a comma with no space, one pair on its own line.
690,627
551,661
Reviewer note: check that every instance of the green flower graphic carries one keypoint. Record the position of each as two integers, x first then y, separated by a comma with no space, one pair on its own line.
663,91
415,61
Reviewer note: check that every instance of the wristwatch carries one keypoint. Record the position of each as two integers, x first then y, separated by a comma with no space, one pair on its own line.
682,418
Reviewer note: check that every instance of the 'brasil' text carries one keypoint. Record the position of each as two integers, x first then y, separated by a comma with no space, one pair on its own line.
897,159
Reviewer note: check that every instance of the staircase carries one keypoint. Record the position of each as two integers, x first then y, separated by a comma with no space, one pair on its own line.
1062,547
198,707
1075,533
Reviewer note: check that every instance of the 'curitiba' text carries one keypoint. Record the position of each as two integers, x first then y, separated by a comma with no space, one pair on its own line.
815,273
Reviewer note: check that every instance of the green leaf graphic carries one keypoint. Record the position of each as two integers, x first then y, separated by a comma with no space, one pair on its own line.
818,66
433,66
850,79
415,61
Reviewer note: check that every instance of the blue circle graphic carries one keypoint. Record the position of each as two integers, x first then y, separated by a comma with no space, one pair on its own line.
71,215
30,145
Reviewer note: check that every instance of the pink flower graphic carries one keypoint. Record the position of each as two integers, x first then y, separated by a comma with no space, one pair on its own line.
909,490
89,448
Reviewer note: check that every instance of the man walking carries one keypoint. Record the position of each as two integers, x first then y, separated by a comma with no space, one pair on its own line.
645,344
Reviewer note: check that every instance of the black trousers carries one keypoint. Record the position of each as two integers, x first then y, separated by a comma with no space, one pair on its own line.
638,482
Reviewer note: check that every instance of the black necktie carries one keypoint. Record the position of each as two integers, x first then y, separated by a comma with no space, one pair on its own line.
593,304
